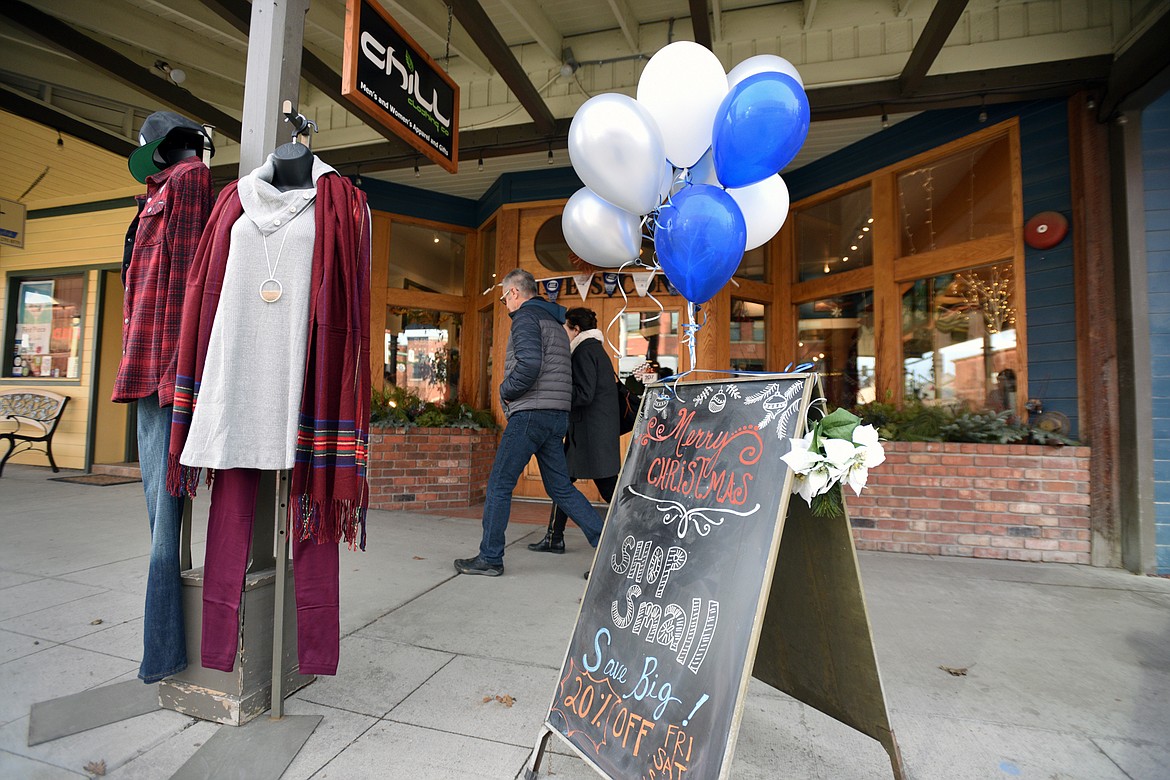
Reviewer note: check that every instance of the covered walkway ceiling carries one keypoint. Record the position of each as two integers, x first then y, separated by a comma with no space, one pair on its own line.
95,70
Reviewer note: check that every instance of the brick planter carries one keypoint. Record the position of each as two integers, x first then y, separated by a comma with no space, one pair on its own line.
1020,503
429,468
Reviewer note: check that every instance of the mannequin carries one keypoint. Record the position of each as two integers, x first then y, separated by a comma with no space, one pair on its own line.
160,248
293,167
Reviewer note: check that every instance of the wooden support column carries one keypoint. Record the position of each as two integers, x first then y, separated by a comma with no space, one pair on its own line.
887,294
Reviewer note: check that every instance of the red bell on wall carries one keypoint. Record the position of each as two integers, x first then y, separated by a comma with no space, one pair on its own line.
1045,230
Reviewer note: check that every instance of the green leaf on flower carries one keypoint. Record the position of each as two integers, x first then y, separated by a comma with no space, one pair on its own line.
839,424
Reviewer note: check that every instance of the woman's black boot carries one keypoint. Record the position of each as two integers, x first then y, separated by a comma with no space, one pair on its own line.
550,543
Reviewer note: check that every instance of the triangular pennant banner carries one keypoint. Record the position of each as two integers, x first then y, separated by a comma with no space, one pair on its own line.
642,282
611,282
552,288
583,282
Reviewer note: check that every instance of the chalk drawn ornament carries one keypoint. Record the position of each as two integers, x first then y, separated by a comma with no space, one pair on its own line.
700,517
778,405
718,396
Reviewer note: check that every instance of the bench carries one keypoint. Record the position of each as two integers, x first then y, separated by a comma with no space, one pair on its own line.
28,419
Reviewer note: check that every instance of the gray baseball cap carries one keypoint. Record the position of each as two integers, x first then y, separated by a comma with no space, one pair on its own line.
157,127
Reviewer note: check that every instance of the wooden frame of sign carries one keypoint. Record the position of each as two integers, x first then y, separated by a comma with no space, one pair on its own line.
708,574
410,118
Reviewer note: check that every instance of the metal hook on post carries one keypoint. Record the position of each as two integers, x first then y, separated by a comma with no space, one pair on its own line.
301,125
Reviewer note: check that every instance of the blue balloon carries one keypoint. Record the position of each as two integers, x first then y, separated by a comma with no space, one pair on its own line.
699,238
760,126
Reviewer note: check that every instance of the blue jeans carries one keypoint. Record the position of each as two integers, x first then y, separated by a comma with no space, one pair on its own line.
539,432
164,644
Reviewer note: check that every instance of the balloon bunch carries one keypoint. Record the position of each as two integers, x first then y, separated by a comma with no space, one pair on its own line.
694,161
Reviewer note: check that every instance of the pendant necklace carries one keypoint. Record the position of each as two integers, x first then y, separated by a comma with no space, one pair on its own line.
271,289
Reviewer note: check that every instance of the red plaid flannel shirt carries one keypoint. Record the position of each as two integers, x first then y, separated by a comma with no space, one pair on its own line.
178,204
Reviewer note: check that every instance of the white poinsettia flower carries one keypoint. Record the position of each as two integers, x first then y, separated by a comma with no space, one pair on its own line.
870,447
839,452
857,477
812,484
801,459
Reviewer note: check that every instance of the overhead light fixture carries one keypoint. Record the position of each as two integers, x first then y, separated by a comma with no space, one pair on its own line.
826,267
569,63
416,170
982,109
357,180
885,119
176,75
550,154
60,140
435,237
479,165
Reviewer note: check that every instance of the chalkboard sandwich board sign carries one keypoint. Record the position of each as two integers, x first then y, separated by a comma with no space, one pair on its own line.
652,684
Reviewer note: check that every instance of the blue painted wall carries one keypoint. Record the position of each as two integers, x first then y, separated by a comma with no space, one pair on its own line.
1156,183
1052,367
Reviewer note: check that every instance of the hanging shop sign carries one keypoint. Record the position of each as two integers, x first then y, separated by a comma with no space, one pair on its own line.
11,223
389,77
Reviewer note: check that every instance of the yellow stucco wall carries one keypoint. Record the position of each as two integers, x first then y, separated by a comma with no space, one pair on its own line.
86,241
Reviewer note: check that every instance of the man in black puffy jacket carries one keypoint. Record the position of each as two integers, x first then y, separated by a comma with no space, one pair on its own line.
536,393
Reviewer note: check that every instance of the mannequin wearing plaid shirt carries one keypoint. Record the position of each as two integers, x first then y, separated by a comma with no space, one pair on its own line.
170,223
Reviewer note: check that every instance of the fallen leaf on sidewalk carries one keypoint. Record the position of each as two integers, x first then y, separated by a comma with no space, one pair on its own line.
96,768
418,558
955,672
506,699
97,622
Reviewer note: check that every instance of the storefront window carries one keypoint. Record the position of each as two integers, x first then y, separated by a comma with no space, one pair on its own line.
754,265
959,339
487,268
428,259
43,338
647,337
421,352
835,236
836,336
961,197
749,343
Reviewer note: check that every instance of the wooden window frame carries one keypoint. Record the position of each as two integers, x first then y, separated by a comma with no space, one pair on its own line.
890,272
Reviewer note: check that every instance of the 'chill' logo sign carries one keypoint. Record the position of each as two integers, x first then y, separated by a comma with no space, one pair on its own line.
383,57
392,79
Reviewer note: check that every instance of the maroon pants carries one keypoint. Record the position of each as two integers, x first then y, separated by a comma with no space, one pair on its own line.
315,566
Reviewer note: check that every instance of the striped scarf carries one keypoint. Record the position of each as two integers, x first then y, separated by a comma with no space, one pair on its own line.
329,491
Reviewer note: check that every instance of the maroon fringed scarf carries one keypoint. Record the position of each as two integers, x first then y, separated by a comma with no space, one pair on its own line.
329,488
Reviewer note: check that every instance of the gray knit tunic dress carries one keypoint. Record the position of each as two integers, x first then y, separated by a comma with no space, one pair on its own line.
250,397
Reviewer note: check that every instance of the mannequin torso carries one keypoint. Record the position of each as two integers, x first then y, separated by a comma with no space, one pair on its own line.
293,167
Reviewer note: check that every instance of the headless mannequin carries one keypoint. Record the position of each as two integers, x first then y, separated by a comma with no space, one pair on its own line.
178,146
293,167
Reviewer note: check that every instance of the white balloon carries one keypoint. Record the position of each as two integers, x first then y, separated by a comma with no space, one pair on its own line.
682,86
599,232
667,182
703,171
616,149
762,63
764,206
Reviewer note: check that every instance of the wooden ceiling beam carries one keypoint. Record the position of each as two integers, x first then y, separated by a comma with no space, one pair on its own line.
475,20
938,28
1134,81
56,33
16,102
537,24
434,19
701,22
627,22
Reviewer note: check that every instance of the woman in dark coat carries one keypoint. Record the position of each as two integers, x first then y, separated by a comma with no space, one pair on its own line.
592,445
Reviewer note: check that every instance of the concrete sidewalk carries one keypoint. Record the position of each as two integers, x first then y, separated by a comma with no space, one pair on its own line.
1068,668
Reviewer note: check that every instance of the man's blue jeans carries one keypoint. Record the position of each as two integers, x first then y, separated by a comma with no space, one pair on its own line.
164,650
539,432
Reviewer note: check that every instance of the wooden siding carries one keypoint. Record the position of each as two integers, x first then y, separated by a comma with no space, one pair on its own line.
85,242
1156,176
1050,306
